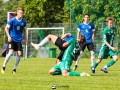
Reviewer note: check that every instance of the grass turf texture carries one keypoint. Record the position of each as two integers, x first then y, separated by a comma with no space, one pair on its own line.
32,74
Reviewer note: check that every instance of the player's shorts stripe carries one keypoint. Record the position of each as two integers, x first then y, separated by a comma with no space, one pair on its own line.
66,52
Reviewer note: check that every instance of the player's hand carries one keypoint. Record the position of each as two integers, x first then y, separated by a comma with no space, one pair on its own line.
26,42
92,40
113,48
78,39
9,39
68,34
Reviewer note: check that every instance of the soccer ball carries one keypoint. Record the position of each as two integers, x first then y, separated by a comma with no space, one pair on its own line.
53,86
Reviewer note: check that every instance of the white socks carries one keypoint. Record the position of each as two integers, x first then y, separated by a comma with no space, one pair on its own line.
92,59
16,62
7,58
78,59
43,42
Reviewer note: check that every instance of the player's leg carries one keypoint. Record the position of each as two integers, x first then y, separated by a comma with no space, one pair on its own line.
82,48
91,49
55,70
114,56
59,58
103,54
92,61
78,74
65,68
70,73
19,54
77,61
50,37
11,50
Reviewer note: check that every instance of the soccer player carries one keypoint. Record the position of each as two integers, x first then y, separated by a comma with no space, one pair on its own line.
63,67
87,30
107,48
62,43
14,30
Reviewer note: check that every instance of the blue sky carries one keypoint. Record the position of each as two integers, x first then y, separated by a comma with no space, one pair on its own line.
5,0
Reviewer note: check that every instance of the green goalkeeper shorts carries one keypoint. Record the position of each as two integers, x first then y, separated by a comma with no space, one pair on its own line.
105,52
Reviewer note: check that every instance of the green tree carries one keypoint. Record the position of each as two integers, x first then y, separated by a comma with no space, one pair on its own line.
43,12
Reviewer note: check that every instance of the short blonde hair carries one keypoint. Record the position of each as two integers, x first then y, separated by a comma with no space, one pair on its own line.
20,8
109,19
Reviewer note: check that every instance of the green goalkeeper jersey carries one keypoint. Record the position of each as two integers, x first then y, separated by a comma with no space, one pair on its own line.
108,35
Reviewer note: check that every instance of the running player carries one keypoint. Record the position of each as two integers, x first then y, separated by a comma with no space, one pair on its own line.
87,30
14,30
107,48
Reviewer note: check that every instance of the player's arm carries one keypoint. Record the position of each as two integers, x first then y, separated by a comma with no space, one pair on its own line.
78,34
25,36
105,41
93,33
68,42
7,32
113,48
93,36
65,35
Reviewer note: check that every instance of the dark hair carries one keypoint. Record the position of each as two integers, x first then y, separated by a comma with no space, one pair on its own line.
86,14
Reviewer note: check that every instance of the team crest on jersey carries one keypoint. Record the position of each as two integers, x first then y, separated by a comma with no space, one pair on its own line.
22,24
104,36
86,30
108,33
89,27
18,27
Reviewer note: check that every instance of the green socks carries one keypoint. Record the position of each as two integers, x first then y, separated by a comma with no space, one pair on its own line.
110,63
74,74
56,73
96,64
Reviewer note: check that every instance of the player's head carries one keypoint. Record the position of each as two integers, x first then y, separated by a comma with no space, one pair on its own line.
86,18
110,21
20,12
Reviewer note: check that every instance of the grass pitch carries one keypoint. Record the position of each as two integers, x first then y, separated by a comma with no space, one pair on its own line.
32,74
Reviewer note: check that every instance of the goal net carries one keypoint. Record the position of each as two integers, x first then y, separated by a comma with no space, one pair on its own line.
36,35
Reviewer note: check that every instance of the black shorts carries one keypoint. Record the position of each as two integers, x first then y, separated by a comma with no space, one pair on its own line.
16,46
59,42
90,46
60,55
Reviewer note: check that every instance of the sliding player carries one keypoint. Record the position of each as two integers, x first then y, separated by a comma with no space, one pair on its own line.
63,67
67,45
62,43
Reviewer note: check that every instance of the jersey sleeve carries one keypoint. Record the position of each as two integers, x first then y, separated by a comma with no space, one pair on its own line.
93,28
9,24
25,24
104,34
70,41
79,28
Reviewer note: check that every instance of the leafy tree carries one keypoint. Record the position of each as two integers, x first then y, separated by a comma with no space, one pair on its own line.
43,12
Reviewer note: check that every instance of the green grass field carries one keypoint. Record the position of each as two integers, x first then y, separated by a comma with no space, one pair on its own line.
32,74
